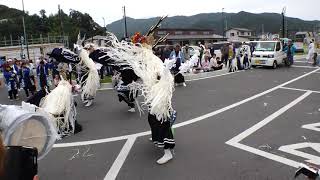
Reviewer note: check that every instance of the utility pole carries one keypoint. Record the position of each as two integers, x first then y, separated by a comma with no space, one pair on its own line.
24,30
104,26
262,29
125,22
283,22
61,25
222,20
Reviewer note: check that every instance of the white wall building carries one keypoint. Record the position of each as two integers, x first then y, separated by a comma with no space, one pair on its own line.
240,34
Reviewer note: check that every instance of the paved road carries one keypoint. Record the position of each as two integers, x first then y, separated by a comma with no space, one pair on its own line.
245,125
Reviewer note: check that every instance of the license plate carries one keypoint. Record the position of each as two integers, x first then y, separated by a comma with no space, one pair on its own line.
257,61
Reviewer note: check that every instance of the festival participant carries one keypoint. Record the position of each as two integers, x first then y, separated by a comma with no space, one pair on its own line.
162,136
11,82
127,76
60,104
2,157
28,83
178,57
186,52
90,80
43,73
56,80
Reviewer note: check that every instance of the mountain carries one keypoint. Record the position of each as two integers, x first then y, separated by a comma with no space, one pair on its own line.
270,21
75,21
72,23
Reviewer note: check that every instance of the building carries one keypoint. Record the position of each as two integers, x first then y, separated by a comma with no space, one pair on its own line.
188,36
98,40
240,34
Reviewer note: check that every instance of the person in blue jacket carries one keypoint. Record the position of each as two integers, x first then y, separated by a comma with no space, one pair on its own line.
290,50
10,81
27,80
43,73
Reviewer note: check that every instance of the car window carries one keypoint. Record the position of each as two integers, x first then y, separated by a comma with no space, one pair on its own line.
265,46
278,48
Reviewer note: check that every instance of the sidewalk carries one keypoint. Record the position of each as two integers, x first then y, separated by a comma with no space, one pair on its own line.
187,77
298,57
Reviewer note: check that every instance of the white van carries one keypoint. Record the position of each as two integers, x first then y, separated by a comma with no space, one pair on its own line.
268,53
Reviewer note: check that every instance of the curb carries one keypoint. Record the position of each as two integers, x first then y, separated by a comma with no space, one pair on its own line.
187,77
298,57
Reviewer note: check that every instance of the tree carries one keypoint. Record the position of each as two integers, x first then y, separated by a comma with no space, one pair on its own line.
43,14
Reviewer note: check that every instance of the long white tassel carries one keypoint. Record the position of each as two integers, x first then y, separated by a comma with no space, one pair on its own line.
92,83
59,102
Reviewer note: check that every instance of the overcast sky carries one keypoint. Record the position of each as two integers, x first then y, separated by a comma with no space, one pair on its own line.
111,10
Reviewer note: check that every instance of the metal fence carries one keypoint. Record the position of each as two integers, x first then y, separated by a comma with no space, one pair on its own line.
9,41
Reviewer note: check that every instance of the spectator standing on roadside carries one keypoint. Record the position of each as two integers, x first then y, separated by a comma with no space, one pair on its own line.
225,53
311,51
212,51
186,52
42,73
166,53
177,56
11,82
27,81
290,50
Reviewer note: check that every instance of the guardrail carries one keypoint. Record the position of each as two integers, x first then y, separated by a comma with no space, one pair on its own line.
41,40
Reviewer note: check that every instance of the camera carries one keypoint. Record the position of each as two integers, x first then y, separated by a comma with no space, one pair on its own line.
20,163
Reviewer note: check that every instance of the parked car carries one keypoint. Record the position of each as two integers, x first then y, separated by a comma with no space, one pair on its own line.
268,53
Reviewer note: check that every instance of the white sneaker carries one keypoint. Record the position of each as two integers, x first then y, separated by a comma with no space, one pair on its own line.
85,101
132,110
166,157
184,84
90,102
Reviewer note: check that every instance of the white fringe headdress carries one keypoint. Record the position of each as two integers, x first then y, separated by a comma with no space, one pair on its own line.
157,82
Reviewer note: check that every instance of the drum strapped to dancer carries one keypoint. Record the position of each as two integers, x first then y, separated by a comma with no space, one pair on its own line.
60,105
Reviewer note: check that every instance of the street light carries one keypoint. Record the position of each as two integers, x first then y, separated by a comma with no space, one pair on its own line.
24,30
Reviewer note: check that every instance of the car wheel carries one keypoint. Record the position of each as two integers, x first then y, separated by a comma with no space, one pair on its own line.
253,66
275,65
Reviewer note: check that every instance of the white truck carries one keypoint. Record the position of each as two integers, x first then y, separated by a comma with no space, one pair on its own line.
268,53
